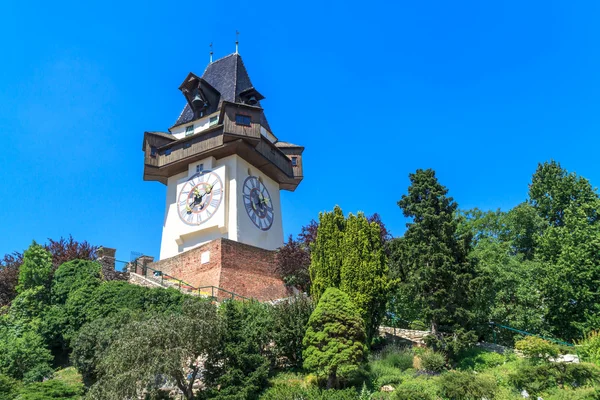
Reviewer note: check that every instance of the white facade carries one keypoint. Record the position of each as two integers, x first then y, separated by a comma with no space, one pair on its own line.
230,220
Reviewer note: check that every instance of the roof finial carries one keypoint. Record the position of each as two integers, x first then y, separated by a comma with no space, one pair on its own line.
211,52
237,42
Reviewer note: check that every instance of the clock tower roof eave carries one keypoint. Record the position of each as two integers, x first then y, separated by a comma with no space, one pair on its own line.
164,135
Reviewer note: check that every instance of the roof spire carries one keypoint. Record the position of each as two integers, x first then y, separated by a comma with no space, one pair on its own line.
211,52
237,42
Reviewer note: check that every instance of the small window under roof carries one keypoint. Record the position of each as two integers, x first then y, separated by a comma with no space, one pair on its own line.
189,130
242,119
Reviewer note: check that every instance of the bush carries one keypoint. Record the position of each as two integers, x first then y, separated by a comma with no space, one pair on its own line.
537,349
238,367
452,344
432,361
289,327
538,378
418,325
52,389
480,360
24,355
579,394
589,347
410,393
73,275
299,392
8,387
458,385
334,341
397,357
417,387
384,374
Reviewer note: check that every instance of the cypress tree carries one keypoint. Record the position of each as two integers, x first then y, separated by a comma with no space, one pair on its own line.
326,254
437,266
364,270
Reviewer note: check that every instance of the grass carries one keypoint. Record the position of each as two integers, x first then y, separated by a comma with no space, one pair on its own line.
393,366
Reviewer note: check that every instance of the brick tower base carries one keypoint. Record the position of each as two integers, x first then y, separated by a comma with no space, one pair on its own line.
239,268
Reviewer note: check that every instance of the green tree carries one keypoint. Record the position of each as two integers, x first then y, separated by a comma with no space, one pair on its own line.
290,319
569,249
94,338
326,257
334,344
506,289
435,264
23,353
239,367
36,269
73,275
364,270
161,349
553,190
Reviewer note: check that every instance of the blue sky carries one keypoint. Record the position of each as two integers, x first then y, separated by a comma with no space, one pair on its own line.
480,91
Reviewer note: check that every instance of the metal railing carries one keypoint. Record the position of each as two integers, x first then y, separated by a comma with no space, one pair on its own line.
493,324
167,280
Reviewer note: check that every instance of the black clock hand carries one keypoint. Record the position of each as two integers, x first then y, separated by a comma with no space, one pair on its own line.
197,200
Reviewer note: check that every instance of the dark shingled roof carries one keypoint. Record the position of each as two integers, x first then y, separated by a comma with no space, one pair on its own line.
229,76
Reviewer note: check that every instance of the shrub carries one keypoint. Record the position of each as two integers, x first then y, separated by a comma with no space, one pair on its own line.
579,394
537,349
538,378
417,387
418,325
334,340
480,360
299,392
8,387
452,344
311,380
397,357
432,361
384,374
237,368
458,385
73,275
289,327
52,389
24,355
589,347
410,393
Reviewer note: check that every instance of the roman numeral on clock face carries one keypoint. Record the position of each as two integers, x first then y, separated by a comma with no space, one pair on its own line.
199,198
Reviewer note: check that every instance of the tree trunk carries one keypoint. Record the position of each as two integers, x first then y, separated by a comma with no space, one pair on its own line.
331,380
434,328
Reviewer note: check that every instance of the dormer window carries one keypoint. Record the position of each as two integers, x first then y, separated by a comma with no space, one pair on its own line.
189,130
294,161
213,120
242,120
153,151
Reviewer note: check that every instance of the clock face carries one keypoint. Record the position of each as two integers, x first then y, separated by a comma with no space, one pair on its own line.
199,198
258,204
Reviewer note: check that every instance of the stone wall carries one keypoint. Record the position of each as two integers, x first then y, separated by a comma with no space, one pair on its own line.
106,258
407,334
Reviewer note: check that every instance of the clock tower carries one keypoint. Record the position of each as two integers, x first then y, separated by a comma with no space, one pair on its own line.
224,169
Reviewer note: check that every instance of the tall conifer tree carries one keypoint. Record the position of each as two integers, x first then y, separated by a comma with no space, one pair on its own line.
364,272
437,265
326,254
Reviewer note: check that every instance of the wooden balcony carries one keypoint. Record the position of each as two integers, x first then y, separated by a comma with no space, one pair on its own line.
166,156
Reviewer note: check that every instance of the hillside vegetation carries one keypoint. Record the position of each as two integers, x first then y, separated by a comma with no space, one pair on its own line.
66,332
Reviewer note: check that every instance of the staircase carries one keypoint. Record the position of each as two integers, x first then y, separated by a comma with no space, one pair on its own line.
149,277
